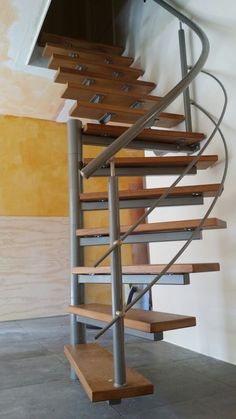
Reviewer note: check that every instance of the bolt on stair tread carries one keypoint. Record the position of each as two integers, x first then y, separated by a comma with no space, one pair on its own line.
181,268
108,96
207,190
142,320
80,43
166,136
203,163
94,368
65,75
180,225
118,114
113,71
85,54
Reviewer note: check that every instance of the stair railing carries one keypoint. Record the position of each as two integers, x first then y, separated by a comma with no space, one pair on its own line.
198,228
149,117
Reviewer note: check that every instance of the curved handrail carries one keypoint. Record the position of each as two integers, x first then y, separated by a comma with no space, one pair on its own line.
198,228
156,109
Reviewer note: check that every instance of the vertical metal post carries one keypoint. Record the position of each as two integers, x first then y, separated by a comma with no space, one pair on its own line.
116,279
184,71
77,330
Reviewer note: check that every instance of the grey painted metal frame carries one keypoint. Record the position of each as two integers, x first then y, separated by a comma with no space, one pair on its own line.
144,203
116,280
184,70
77,330
142,238
141,145
156,336
169,279
145,171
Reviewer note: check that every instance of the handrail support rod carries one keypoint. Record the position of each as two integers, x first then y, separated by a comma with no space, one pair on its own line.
184,72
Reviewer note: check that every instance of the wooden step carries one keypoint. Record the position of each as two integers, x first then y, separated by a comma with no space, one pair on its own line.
108,97
94,368
208,190
181,225
118,114
68,42
183,268
104,70
145,321
150,135
84,54
66,75
204,162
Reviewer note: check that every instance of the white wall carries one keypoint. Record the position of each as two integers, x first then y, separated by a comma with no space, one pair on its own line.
152,37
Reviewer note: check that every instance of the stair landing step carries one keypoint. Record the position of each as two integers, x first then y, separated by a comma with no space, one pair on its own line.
207,190
66,75
85,66
100,57
94,368
203,163
80,43
181,225
182,268
116,114
145,321
160,136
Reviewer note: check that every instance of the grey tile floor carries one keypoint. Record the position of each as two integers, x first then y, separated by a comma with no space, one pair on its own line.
34,378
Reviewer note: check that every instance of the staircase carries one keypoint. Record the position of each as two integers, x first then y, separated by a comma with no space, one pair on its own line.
107,90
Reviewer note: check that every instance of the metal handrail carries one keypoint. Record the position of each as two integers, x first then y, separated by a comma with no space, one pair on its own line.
198,228
156,109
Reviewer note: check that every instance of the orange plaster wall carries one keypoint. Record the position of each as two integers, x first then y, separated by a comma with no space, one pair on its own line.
33,182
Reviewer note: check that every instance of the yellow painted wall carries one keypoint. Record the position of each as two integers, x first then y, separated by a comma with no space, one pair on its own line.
33,183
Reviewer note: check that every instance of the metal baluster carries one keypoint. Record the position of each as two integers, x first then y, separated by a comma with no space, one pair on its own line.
116,280
77,330
184,71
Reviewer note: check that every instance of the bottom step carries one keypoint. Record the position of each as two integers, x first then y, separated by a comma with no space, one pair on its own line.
94,368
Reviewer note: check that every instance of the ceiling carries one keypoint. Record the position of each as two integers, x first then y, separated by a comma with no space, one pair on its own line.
26,90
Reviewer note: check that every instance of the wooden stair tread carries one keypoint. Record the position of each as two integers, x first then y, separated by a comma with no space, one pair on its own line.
94,368
203,163
165,136
109,97
65,75
119,114
207,190
112,71
100,57
145,321
181,225
80,43
182,268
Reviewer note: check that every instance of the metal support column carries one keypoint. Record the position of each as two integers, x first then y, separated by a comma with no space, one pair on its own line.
184,71
116,278
77,330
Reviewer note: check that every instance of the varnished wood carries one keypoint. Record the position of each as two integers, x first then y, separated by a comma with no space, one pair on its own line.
204,162
160,136
65,75
119,114
109,97
180,225
113,71
182,268
80,43
85,54
145,321
208,190
94,368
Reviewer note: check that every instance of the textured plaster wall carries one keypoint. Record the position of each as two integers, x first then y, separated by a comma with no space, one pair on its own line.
152,37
